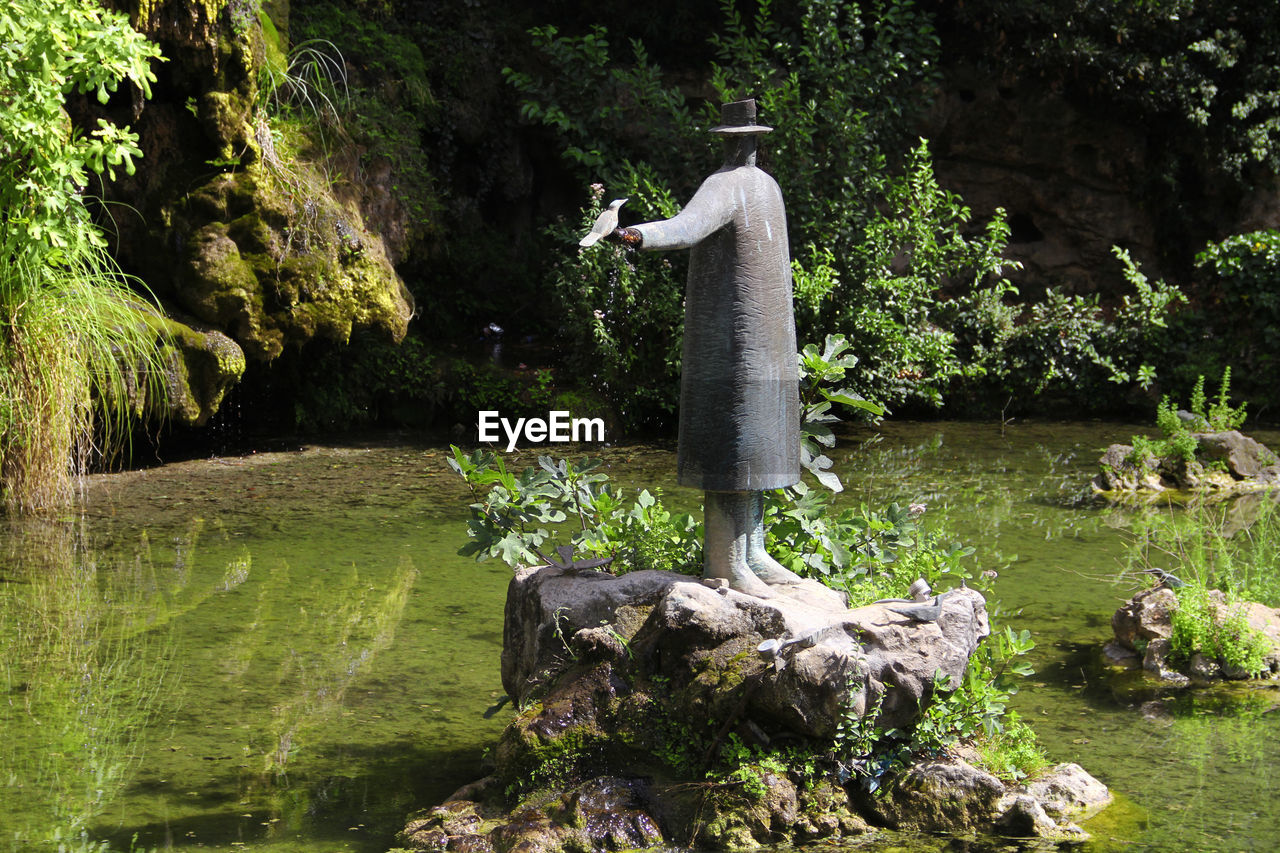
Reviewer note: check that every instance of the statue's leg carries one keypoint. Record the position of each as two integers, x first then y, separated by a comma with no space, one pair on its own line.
762,565
728,520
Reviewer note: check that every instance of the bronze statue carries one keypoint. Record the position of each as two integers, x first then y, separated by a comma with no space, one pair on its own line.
739,387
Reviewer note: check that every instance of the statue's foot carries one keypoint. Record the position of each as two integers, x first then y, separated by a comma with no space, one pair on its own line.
770,570
742,579
785,582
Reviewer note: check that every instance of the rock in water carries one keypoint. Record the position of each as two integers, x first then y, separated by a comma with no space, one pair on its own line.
630,685
677,627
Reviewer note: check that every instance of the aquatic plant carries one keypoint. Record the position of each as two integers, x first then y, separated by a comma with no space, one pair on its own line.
79,349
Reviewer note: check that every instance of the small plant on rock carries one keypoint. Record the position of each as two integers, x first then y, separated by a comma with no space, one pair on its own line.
1177,426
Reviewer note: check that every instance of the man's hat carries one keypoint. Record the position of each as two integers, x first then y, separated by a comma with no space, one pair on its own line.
739,117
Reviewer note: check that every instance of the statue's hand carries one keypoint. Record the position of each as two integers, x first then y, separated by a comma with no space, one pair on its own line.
629,237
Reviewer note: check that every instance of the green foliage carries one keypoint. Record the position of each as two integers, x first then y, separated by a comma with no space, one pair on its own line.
883,253
622,312
822,376
1236,317
1013,752
1210,547
385,104
1209,550
368,381
312,81
975,707
1178,441
1200,626
1067,345
79,351
49,51
1203,75
511,515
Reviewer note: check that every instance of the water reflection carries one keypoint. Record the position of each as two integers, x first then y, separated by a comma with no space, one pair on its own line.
326,687
83,674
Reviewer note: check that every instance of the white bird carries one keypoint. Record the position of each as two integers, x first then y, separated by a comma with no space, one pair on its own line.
605,223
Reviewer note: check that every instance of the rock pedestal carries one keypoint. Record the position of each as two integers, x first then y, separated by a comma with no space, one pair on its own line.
630,688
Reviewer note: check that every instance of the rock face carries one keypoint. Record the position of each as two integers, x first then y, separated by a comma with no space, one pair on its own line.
249,249
1144,624
630,686
1071,182
1224,461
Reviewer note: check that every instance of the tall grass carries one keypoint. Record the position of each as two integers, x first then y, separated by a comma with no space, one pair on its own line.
1234,547
78,359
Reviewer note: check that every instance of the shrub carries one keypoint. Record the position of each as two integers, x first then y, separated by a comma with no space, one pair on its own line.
1209,549
79,352
1178,441
882,253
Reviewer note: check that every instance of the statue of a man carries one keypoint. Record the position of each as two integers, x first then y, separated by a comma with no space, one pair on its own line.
739,387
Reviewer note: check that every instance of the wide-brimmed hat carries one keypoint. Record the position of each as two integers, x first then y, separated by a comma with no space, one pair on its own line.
739,117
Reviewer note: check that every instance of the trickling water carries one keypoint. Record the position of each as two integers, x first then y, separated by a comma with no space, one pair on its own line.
315,661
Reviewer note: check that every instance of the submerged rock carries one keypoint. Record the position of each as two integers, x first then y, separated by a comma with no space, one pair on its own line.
949,793
630,686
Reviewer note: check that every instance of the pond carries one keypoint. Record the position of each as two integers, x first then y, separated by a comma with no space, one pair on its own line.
282,651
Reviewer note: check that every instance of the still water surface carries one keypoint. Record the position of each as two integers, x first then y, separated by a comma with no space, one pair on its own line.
282,652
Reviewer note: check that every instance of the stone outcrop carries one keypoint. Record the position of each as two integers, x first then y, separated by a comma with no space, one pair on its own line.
250,249
630,686
202,365
1225,461
1072,183
1144,624
700,637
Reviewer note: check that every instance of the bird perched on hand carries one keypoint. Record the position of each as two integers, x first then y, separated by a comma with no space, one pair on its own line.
605,223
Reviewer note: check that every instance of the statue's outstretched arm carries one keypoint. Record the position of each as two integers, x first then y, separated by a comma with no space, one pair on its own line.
710,209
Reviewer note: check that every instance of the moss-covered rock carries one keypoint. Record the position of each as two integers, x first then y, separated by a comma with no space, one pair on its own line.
243,228
275,260
203,364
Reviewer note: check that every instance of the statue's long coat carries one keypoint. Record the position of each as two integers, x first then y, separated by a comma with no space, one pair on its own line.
739,389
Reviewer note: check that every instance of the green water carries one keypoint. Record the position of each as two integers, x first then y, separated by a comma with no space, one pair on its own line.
283,652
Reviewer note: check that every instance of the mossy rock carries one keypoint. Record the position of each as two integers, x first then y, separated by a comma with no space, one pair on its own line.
227,119
275,266
203,365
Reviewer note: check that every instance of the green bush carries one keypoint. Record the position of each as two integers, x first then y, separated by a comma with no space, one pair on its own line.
1209,549
79,350
1178,441
1235,318
1200,627
882,253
